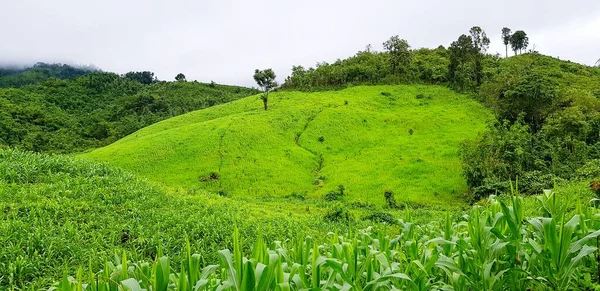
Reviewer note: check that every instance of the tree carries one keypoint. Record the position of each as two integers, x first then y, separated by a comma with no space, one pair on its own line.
399,50
266,81
461,53
180,77
481,43
144,77
506,34
519,41
533,95
480,40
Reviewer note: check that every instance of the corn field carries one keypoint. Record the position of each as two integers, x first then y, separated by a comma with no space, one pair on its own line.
491,248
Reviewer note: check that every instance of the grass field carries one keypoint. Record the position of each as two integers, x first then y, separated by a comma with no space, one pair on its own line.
370,139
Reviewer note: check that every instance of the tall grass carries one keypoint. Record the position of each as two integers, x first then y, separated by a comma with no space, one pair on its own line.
492,247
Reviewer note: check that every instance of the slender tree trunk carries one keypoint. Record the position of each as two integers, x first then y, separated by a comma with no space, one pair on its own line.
506,46
265,100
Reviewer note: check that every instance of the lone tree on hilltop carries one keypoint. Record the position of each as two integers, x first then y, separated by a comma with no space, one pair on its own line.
180,77
506,34
266,81
399,50
519,41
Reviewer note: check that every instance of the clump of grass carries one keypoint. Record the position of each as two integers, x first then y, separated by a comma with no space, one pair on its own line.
335,195
212,176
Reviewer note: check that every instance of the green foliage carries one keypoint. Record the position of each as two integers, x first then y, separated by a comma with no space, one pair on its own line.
506,34
519,41
17,77
338,212
266,81
390,200
547,127
494,247
399,53
144,77
382,217
180,77
368,67
96,109
59,214
366,145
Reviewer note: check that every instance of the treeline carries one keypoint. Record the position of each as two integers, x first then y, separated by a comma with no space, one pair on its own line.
11,76
547,125
97,108
461,66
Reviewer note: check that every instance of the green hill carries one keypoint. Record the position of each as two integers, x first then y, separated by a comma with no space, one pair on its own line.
96,109
369,139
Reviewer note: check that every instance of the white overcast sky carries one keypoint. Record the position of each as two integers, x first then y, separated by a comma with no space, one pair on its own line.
224,40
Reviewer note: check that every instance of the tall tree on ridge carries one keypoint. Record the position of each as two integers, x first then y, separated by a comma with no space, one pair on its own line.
519,41
481,43
399,50
506,34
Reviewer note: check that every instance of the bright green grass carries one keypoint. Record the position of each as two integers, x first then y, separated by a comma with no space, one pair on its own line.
366,145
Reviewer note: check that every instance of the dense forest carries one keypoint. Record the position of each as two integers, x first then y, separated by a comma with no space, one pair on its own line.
63,109
547,110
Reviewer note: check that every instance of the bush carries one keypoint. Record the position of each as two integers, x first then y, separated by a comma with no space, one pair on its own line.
338,213
390,201
590,170
335,195
297,195
210,177
381,217
534,182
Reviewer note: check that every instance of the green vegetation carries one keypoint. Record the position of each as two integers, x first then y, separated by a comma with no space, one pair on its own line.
97,108
58,214
311,143
547,128
17,76
494,247
322,176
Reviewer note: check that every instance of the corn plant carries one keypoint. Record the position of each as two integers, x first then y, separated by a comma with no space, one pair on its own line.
492,247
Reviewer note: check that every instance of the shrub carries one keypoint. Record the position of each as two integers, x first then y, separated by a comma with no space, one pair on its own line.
411,131
338,213
210,177
590,170
390,201
222,193
381,217
297,195
335,195
321,139
361,204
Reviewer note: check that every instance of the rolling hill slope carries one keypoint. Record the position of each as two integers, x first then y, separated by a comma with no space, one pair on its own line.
369,139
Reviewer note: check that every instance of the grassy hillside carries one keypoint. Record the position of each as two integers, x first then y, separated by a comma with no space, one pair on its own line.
58,213
369,139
